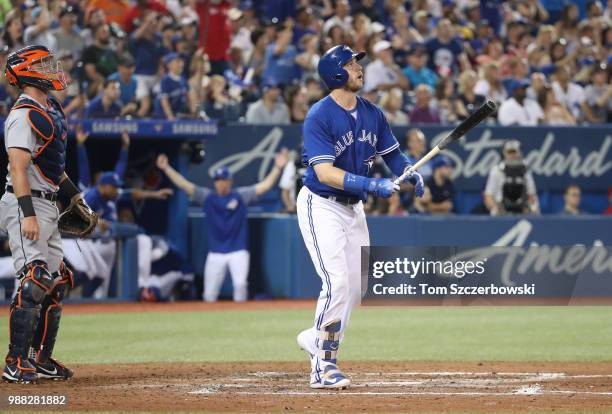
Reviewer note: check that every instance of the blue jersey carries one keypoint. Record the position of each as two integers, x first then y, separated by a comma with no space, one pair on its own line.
226,217
107,209
175,89
350,140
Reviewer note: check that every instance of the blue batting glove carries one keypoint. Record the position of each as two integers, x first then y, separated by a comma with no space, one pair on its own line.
416,180
382,187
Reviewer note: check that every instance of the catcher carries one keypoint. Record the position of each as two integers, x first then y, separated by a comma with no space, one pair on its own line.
35,139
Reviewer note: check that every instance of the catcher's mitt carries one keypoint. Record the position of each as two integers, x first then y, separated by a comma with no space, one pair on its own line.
78,219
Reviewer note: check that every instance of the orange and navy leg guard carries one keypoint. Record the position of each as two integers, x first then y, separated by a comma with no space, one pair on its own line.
35,284
50,315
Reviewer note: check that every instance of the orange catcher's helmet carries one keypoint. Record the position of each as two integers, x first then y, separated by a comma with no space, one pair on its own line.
34,66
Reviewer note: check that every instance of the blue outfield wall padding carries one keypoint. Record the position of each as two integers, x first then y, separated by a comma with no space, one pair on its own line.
281,266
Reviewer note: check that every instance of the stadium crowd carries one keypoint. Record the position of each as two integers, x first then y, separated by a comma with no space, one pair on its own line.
429,61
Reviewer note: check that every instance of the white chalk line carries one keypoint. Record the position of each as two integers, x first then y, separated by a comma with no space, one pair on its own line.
415,393
441,379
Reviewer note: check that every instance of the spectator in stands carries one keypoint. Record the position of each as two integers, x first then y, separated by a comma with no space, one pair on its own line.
214,32
571,199
608,211
297,100
391,103
303,24
199,80
127,83
257,60
93,19
598,96
569,93
490,83
554,112
173,101
416,146
309,58
99,60
510,187
219,105
518,109
445,101
135,14
446,54
417,71
537,86
107,104
422,20
568,24
226,211
492,51
395,207
189,31
241,35
518,69
314,89
280,66
67,36
38,33
115,11
147,49
423,112
401,34
438,198
73,97
269,109
538,52
467,100
12,35
340,17
383,73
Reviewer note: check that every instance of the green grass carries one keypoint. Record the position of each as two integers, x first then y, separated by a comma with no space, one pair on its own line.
387,334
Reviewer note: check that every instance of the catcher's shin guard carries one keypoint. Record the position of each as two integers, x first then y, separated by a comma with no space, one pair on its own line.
36,283
50,315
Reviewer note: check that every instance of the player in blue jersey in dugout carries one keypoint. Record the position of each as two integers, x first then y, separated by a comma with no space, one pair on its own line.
343,134
226,214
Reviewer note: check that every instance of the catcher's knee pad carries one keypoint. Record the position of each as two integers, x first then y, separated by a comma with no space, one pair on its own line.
36,283
329,341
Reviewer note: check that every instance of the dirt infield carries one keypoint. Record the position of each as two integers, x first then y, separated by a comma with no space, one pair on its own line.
377,387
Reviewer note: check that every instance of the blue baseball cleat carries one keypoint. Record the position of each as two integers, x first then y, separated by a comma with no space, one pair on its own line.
327,375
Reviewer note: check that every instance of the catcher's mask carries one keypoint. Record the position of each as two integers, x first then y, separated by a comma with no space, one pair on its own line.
35,66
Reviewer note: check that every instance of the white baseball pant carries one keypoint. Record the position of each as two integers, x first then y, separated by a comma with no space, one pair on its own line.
334,234
215,270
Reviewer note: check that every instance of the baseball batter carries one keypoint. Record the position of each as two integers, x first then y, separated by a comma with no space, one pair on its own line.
35,139
343,134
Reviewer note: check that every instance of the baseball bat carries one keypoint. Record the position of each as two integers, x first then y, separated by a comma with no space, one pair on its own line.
460,130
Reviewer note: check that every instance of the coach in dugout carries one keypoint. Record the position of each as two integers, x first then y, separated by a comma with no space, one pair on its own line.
510,187
226,213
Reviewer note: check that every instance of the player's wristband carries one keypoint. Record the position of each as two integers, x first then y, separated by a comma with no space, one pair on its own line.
68,189
356,184
25,203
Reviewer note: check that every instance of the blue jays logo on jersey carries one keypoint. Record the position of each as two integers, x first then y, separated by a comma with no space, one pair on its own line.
348,139
232,204
370,162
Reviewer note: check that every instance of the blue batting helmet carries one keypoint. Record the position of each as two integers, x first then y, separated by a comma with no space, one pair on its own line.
331,68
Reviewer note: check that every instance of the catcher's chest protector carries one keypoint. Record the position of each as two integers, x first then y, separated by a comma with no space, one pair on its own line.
51,128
